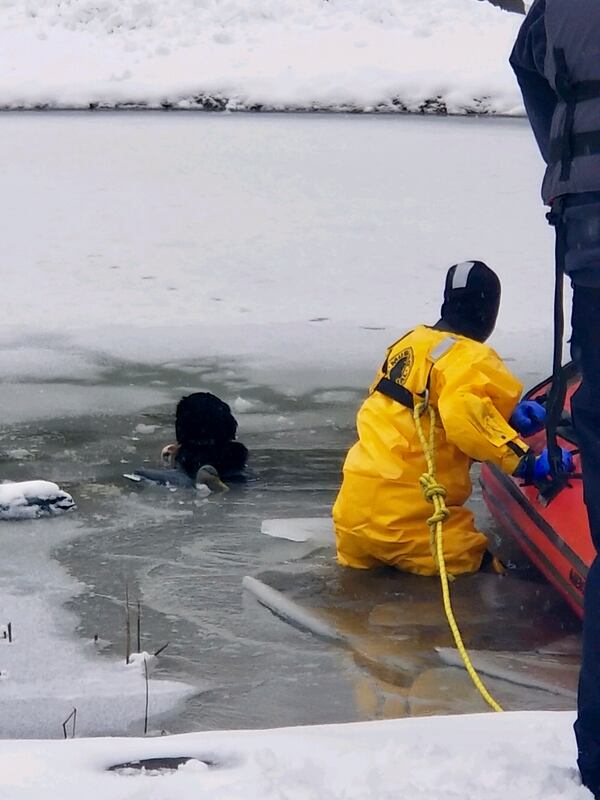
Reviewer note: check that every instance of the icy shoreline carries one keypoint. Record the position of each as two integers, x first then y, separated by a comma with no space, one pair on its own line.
46,671
362,56
216,104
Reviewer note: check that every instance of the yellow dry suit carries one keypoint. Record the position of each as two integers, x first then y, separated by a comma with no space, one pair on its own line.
380,514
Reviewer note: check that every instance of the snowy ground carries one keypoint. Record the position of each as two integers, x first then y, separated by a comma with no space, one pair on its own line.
520,756
294,249
384,55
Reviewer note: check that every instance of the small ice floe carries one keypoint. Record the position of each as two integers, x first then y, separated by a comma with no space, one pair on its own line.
292,612
31,499
554,675
17,454
243,406
300,529
145,429
336,396
206,481
566,646
142,661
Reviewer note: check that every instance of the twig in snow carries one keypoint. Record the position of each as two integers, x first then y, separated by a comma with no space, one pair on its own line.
139,627
161,649
9,632
127,626
146,710
72,716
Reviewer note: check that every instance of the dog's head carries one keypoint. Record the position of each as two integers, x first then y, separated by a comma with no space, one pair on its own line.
202,418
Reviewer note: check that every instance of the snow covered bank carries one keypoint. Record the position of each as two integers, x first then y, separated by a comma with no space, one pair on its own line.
362,55
522,756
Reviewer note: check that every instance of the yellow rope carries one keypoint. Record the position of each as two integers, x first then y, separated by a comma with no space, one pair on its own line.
435,494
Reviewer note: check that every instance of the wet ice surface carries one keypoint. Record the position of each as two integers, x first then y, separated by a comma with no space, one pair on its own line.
185,558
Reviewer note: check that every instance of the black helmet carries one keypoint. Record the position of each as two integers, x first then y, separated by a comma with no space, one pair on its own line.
471,300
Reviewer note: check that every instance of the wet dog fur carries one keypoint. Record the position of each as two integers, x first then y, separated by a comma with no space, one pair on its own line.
206,431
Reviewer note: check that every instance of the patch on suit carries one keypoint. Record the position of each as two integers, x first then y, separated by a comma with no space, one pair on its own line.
401,365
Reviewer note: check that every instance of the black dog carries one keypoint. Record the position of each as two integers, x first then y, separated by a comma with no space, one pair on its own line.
206,431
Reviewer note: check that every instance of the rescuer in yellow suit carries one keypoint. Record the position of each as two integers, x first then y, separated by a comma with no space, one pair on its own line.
380,513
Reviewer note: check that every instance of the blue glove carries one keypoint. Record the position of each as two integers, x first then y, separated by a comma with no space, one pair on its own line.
528,417
538,469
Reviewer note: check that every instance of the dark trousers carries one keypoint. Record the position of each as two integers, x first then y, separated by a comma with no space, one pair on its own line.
585,348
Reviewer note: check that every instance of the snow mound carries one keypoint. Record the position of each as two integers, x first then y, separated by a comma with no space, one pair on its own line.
364,55
522,756
32,499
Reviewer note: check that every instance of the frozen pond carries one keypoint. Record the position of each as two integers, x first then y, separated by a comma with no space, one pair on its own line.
269,260
185,559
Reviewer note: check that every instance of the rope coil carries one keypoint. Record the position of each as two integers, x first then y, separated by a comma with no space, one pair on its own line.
435,493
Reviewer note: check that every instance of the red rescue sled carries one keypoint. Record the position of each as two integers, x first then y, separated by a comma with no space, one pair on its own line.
555,535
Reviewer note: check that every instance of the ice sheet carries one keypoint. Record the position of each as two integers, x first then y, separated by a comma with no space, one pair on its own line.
552,674
298,262
319,529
